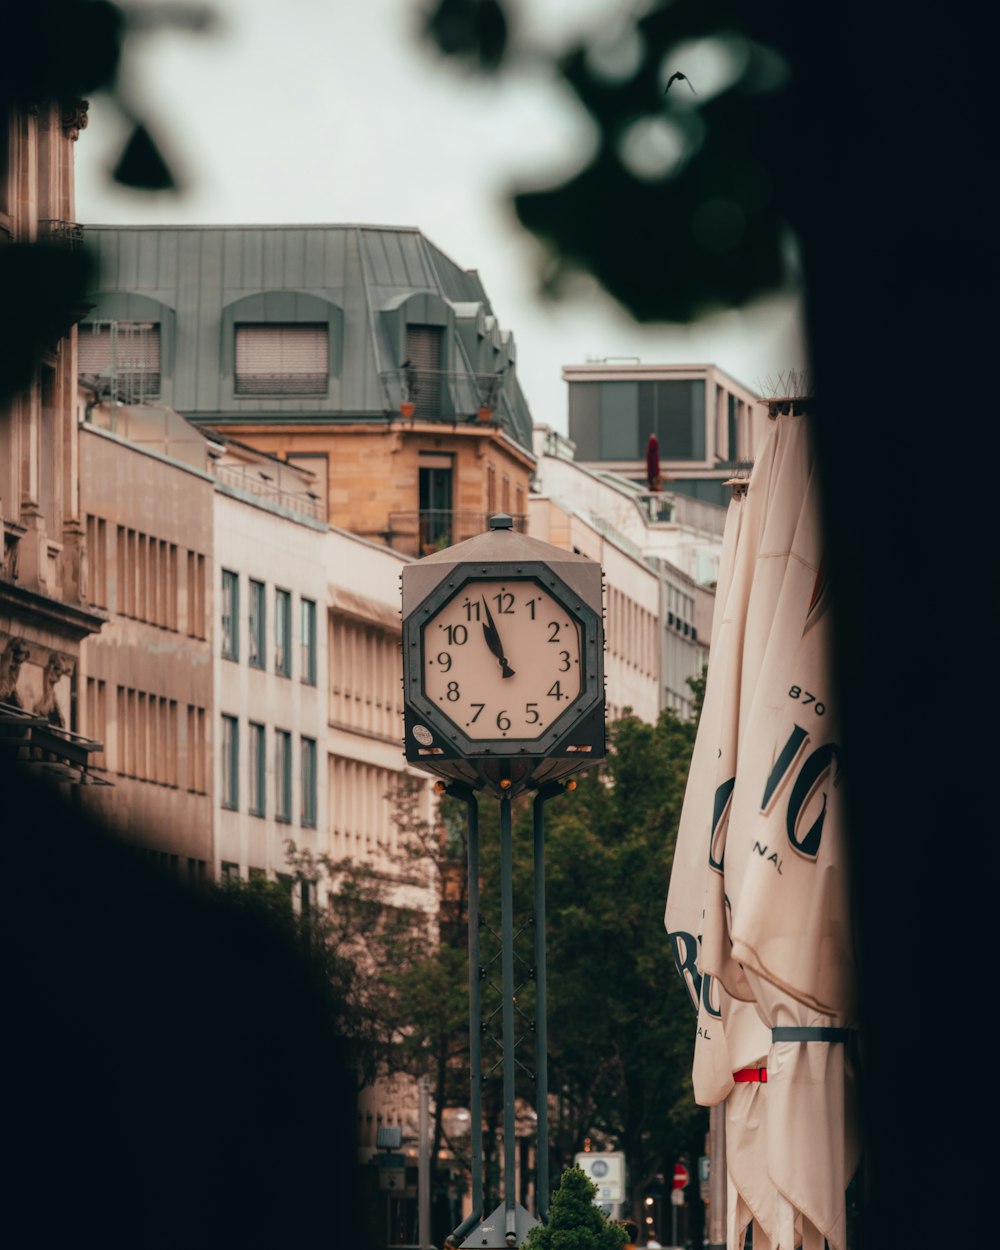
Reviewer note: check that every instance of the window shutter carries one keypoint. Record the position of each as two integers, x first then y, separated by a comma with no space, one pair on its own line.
282,359
423,350
126,353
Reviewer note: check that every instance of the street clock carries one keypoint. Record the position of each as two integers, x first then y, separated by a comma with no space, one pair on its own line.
503,661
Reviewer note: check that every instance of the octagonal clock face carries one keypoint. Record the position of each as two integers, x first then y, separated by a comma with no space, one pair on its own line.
502,659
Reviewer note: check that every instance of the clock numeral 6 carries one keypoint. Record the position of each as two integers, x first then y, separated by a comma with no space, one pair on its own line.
503,721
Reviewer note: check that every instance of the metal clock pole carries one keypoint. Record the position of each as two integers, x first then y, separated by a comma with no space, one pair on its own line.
475,1013
507,964
541,1002
452,646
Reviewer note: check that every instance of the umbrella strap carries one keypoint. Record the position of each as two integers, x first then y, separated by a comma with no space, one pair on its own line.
751,1074
807,1034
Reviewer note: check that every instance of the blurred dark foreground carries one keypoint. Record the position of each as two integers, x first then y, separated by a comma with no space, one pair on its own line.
174,1073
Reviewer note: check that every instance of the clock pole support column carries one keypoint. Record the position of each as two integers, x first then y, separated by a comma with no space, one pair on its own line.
475,1017
541,1006
507,959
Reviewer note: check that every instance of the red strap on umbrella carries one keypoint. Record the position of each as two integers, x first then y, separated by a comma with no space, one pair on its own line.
751,1074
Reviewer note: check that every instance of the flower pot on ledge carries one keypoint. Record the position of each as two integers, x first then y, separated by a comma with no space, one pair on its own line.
407,408
484,414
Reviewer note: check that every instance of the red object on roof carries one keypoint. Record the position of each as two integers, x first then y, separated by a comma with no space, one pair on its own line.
653,462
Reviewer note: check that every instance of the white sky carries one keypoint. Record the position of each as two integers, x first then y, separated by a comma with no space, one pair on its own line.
333,111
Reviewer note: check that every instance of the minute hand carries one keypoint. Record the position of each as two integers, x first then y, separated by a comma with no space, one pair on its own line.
493,642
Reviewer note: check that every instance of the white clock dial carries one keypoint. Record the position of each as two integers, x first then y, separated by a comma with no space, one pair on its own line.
502,659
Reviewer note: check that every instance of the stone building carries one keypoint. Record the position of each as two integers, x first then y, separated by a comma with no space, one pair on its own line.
44,604
363,353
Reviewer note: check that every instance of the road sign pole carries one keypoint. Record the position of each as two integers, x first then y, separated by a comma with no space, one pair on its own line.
717,1177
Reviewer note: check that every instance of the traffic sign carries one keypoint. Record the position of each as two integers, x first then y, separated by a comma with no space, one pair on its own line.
681,1176
606,1168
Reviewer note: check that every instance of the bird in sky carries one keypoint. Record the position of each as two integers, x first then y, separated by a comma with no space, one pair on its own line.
682,77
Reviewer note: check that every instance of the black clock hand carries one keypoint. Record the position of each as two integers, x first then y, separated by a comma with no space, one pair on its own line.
493,641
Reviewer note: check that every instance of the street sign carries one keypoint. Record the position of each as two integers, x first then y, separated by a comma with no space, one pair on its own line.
681,1176
677,1198
392,1173
606,1168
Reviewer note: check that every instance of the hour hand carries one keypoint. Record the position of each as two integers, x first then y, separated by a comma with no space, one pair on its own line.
493,642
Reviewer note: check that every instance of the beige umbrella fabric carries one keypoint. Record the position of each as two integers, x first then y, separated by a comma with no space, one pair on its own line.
730,1034
771,947
785,873
710,780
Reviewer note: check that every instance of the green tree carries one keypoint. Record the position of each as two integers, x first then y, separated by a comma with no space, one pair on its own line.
575,1220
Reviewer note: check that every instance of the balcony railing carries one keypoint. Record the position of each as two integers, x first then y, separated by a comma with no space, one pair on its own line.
292,501
432,529
65,233
439,395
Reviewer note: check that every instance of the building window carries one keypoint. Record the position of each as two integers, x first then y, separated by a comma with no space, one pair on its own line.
282,775
282,359
435,486
424,354
258,770
613,420
309,783
121,359
308,609
230,763
255,649
283,633
230,615
229,872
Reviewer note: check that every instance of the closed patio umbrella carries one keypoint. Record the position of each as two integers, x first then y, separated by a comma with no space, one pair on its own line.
773,942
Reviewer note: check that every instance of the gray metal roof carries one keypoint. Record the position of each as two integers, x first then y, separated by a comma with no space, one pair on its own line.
189,278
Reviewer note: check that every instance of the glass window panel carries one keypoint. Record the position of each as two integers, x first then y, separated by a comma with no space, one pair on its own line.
230,615
258,771
255,649
585,419
282,633
308,609
619,409
282,774
309,783
230,762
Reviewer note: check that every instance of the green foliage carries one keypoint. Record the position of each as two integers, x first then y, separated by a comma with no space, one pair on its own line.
575,1221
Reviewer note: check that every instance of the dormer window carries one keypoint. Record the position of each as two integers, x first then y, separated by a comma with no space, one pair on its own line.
424,348
282,359
121,359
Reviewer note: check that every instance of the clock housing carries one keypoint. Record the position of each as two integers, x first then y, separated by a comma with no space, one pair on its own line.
503,662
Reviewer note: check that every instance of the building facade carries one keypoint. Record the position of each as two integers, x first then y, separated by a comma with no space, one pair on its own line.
705,422
45,611
659,574
146,688
362,353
